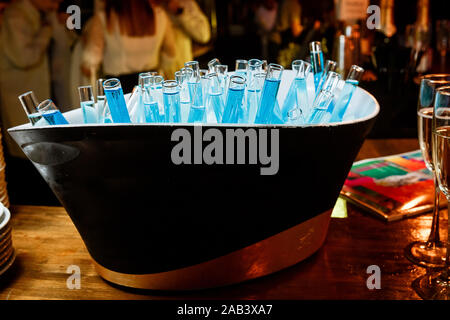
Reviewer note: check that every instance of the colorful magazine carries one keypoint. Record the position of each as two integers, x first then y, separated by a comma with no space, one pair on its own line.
392,187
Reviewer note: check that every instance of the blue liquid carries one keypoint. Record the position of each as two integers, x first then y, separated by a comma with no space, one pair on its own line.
117,105
88,110
172,108
233,107
215,102
185,107
195,93
268,101
253,97
54,117
337,114
151,113
197,114
277,117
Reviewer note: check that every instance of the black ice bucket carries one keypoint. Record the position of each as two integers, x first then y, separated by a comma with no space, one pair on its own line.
150,222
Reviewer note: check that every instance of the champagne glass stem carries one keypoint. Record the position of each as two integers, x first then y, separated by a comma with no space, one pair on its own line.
434,238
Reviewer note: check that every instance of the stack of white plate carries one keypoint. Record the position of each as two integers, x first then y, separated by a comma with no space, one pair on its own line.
7,252
3,192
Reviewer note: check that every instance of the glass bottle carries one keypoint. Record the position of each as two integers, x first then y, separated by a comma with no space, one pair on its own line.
51,113
338,110
296,106
266,110
87,104
324,98
235,100
116,101
171,94
30,104
315,49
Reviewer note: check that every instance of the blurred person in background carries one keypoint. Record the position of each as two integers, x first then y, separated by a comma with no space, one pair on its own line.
26,35
127,38
60,58
266,18
190,24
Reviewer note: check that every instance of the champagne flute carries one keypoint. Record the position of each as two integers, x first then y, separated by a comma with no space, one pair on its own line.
436,285
430,253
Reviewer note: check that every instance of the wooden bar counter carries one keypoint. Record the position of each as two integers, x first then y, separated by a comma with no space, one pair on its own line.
47,243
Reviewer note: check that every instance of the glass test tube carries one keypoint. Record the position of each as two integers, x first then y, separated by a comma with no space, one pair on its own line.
103,113
171,94
151,108
116,101
214,102
296,105
30,104
352,81
253,90
235,99
212,65
269,94
87,104
51,113
222,73
324,98
330,65
241,68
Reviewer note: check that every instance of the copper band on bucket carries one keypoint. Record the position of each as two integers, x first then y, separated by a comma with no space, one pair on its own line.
267,256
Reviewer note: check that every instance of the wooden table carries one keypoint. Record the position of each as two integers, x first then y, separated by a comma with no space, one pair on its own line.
47,243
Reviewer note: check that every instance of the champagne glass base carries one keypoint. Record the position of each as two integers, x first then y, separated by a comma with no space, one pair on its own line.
433,286
426,254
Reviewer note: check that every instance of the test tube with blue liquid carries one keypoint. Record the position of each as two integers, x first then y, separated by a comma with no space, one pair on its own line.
235,99
222,74
212,65
157,94
316,53
51,113
30,105
266,110
87,104
296,105
241,68
182,77
352,81
203,84
323,100
197,113
214,102
151,108
116,101
172,108
103,113
137,114
330,65
253,90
